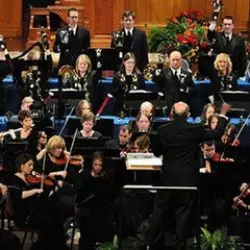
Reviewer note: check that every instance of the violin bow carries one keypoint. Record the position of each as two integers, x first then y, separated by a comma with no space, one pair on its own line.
43,170
70,151
241,129
67,118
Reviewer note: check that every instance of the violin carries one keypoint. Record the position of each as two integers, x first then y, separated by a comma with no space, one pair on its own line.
36,178
245,192
74,160
229,136
220,158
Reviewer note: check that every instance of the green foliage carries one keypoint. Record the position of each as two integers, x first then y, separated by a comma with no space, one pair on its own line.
109,245
219,240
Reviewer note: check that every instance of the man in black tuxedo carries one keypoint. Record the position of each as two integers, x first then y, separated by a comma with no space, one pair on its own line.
176,83
179,143
131,39
229,43
71,40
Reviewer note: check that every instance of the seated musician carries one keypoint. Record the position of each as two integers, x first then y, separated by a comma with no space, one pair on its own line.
146,108
85,78
209,155
123,141
41,141
88,121
208,110
142,144
56,157
93,204
142,123
26,103
59,167
242,201
83,107
222,77
32,208
127,78
27,132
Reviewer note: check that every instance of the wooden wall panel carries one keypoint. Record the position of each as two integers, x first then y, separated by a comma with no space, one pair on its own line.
11,18
154,12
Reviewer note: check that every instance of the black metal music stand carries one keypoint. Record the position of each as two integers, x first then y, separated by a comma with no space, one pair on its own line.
162,188
103,58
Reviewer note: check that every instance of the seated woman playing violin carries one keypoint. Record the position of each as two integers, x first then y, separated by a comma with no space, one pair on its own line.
32,208
57,157
58,167
88,121
94,204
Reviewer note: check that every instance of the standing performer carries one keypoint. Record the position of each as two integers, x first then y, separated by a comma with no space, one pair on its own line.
131,39
71,40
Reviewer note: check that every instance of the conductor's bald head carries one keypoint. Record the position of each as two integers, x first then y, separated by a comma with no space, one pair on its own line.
180,109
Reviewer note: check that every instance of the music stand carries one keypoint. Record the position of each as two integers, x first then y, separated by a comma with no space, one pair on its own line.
13,149
240,101
103,58
137,188
104,126
90,142
134,98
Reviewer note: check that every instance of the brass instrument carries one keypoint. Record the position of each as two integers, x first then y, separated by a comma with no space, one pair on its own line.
67,74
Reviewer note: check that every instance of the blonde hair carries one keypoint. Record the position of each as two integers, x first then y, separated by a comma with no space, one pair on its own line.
34,54
79,107
55,142
86,59
223,57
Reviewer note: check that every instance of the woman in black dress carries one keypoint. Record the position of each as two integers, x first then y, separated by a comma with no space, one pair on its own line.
93,204
33,207
127,78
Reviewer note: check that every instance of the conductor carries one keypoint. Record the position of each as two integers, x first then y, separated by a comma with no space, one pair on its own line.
178,142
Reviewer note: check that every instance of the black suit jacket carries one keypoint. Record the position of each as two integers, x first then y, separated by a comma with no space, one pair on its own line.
175,91
220,82
138,46
238,55
179,143
69,46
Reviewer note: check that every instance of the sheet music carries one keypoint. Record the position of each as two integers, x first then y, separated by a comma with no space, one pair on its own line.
234,92
143,161
64,90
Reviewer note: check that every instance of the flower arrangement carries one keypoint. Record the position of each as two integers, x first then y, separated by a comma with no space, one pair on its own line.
186,33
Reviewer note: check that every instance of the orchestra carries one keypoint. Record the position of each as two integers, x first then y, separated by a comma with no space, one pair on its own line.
51,181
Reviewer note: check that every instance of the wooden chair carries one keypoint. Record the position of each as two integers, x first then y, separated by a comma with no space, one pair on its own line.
35,32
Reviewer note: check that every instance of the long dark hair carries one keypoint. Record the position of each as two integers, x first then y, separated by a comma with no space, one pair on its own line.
22,159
